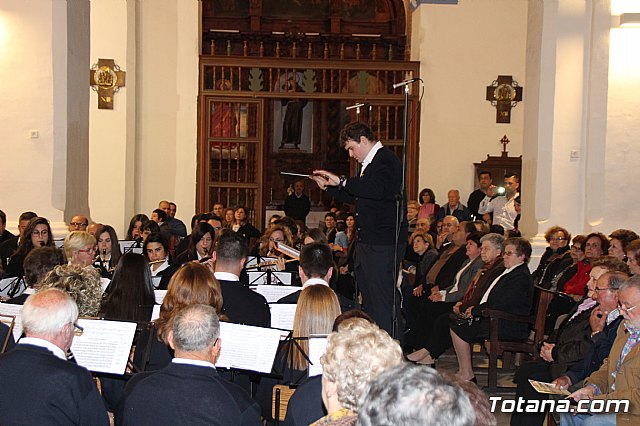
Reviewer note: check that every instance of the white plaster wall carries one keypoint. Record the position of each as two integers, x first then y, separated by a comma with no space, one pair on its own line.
168,40
33,81
462,49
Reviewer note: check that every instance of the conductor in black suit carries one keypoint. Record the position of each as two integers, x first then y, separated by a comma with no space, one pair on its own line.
374,193
189,390
39,385
241,304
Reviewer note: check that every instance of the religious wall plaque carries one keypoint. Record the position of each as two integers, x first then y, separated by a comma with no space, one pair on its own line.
106,78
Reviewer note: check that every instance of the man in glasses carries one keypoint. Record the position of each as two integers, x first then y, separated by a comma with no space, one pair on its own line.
617,379
78,223
8,247
40,386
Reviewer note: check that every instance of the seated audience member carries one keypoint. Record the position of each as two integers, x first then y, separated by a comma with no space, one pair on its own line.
594,246
485,180
189,389
36,234
562,269
618,242
633,256
330,227
441,302
497,229
428,207
617,378
37,264
314,235
39,385
415,279
176,226
481,226
344,238
81,283
218,209
305,405
8,247
4,234
200,244
357,353
134,232
412,215
241,304
502,206
316,268
316,312
454,208
570,343
558,239
80,248
242,226
447,228
444,270
78,223
108,250
192,284
411,395
511,292
156,250
229,217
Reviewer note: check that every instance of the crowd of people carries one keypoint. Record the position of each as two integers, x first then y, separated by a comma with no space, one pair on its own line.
459,261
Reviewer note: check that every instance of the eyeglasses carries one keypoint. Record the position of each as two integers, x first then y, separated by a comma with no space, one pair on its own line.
44,233
77,330
622,307
509,253
79,224
276,240
596,289
89,250
557,238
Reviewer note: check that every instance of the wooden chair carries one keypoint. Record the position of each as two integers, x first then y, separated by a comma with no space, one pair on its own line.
280,401
505,348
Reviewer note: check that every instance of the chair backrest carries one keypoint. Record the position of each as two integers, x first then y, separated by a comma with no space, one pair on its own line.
542,300
10,321
281,396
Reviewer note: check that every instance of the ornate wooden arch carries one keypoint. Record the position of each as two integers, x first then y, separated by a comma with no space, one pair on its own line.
336,53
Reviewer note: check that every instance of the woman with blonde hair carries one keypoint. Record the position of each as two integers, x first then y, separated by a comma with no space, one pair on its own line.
277,234
80,248
316,311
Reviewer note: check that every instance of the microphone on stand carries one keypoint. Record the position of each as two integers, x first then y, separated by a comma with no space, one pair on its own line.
405,82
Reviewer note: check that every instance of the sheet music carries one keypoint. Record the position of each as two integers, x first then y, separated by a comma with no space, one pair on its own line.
247,348
155,281
16,311
261,277
104,283
282,315
155,313
160,294
8,284
273,293
317,348
251,261
128,246
257,277
104,346
59,243
281,277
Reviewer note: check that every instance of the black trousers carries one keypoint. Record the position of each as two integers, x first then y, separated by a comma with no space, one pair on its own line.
426,323
537,370
374,269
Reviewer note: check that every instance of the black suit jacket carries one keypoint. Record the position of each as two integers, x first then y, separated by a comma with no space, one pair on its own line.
7,248
181,394
374,195
243,305
513,293
39,388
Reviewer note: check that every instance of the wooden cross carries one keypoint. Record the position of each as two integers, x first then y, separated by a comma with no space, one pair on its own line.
504,141
504,94
106,78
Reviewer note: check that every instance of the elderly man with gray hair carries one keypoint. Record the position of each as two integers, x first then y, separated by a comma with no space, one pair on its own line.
189,390
39,385
411,395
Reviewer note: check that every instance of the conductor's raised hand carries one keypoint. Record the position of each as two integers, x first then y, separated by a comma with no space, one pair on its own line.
324,178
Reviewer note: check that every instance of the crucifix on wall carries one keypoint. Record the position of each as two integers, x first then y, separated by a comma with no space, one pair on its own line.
504,94
106,78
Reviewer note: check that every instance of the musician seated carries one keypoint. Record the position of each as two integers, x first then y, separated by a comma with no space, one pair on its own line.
80,248
39,385
108,250
200,244
37,264
156,250
134,232
241,304
316,267
36,234
274,235
8,247
189,390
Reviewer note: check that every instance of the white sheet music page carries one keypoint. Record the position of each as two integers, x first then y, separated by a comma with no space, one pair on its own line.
247,348
104,346
15,311
160,294
104,283
282,315
317,348
273,293
155,313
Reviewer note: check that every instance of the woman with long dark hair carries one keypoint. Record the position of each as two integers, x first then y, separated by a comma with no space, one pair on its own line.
156,251
36,234
200,243
135,227
108,253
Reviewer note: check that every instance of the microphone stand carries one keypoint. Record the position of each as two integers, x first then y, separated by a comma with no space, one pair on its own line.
399,210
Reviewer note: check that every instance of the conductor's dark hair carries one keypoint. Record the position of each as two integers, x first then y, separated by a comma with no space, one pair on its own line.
231,247
353,131
316,259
